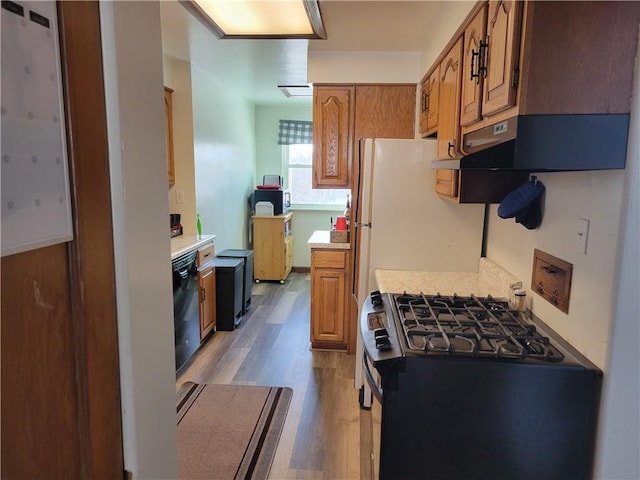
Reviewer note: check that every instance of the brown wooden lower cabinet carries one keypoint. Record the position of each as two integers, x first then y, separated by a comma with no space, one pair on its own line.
207,283
329,275
206,290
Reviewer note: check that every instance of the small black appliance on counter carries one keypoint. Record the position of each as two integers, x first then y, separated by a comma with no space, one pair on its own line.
175,227
280,199
271,191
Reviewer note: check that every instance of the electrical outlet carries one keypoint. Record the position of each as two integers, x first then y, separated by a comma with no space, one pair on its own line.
583,234
179,196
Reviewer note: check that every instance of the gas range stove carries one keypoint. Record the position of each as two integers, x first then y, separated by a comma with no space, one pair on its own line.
485,380
469,326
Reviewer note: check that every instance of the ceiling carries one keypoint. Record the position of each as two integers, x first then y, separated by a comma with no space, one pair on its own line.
257,67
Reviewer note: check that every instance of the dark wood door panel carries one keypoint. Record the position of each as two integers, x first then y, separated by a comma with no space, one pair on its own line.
60,374
92,259
40,435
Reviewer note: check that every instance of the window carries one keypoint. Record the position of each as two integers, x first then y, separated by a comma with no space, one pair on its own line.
297,161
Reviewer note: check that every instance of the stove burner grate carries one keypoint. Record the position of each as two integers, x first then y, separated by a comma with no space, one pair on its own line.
471,326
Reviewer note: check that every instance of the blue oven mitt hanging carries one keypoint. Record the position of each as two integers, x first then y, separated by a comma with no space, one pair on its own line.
525,204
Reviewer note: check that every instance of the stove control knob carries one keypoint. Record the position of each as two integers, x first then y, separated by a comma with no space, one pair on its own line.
382,339
383,344
376,298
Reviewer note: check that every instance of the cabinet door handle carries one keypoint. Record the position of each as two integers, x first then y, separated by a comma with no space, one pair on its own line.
483,49
203,294
474,74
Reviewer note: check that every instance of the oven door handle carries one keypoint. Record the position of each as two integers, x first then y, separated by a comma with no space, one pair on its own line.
375,388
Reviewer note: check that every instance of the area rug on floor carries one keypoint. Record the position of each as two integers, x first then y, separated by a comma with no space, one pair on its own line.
229,431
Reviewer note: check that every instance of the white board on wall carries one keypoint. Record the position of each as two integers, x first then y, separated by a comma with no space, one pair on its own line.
36,207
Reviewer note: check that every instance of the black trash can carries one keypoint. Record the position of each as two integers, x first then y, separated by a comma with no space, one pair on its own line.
228,292
247,273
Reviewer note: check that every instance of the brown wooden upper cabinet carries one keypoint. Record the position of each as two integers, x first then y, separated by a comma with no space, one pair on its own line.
447,183
342,114
432,101
490,71
502,51
168,123
527,58
423,116
473,68
450,78
430,89
333,118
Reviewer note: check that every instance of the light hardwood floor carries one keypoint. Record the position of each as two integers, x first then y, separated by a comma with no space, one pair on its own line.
326,434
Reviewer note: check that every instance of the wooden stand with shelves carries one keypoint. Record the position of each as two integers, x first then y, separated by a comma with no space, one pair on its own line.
272,247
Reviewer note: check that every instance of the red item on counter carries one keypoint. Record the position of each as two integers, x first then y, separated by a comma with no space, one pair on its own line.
341,223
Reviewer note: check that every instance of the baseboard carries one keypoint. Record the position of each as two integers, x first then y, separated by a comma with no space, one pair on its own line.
301,269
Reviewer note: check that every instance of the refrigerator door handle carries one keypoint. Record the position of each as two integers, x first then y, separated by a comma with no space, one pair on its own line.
362,225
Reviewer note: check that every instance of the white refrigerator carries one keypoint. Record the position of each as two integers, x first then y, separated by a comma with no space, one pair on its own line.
401,223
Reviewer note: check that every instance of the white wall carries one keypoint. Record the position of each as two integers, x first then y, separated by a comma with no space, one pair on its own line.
177,75
389,67
363,67
135,118
224,147
305,222
596,196
453,14
619,437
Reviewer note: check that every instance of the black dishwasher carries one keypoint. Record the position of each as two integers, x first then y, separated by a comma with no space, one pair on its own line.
186,320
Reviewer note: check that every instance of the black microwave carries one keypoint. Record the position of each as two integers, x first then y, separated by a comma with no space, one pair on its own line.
280,199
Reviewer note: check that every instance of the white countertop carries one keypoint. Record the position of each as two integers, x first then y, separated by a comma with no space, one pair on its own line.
322,239
491,279
185,243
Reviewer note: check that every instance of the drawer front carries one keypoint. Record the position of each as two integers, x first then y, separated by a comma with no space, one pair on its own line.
205,254
329,259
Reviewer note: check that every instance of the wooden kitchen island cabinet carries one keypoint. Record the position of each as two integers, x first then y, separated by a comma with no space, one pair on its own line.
272,247
329,305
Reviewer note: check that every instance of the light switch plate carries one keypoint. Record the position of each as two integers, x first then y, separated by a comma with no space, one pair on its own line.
179,196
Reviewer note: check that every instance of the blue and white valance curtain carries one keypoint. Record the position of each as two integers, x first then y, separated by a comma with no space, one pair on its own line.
293,132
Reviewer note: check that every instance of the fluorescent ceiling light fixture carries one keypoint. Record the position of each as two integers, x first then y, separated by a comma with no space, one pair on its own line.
259,18
296,90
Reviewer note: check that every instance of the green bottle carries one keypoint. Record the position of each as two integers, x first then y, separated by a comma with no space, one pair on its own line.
199,225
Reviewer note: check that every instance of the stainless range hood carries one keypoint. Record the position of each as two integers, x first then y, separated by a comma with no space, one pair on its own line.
546,143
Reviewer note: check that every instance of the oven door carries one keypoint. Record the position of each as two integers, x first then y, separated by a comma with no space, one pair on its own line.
372,377
372,394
